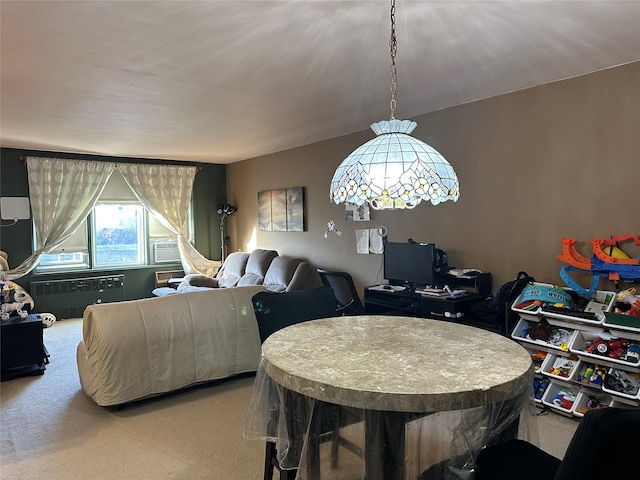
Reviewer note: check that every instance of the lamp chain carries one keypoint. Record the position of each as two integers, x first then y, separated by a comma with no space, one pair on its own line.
393,44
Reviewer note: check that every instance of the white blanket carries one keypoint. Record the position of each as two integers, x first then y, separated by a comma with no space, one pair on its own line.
136,349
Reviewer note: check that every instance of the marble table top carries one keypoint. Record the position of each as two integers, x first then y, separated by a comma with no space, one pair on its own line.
403,364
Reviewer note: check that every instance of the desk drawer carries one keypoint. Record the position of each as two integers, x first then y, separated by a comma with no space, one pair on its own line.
435,307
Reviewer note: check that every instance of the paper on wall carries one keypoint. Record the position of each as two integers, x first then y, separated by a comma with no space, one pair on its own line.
362,241
376,237
369,241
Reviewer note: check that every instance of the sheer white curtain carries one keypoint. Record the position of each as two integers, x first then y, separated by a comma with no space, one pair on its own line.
165,191
62,192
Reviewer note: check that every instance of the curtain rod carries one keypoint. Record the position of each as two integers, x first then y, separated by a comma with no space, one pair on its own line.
23,159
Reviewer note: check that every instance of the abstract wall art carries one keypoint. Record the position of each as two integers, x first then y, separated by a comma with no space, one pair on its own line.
281,210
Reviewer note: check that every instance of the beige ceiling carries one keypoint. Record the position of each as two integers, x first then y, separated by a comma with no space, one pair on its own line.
222,81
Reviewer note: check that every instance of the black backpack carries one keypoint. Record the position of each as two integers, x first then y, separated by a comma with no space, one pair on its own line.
495,313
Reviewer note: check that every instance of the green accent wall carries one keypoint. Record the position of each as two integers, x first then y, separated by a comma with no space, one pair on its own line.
208,191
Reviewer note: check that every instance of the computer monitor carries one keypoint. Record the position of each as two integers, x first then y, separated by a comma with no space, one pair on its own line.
409,264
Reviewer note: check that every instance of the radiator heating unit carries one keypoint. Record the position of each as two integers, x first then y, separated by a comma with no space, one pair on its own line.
68,298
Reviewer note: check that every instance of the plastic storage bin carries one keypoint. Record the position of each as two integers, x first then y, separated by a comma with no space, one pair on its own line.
560,397
540,386
623,384
589,374
559,340
600,303
545,293
590,400
560,367
629,323
583,338
537,358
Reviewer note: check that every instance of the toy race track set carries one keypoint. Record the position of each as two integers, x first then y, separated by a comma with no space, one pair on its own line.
608,261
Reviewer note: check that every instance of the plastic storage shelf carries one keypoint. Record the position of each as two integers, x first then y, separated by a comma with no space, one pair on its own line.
590,383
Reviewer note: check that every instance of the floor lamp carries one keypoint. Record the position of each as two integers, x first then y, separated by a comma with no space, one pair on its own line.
224,210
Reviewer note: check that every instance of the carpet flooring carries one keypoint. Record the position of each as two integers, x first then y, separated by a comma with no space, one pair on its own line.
50,430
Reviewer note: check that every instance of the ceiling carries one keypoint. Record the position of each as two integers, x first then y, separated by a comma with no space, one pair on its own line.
223,81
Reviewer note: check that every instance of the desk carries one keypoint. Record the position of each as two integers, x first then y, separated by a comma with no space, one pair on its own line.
379,302
393,369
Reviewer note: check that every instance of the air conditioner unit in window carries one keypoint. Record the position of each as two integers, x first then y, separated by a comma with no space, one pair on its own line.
165,251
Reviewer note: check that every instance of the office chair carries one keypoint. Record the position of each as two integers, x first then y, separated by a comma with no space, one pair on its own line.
603,446
275,311
347,299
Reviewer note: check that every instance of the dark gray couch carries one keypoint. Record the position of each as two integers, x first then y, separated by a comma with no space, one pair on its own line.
277,273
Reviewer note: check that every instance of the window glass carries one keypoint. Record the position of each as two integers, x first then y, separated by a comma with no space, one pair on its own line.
118,234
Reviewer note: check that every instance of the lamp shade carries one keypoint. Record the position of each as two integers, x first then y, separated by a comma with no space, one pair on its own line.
394,170
226,209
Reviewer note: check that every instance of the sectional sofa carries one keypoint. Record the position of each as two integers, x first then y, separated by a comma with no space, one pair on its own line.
277,273
141,348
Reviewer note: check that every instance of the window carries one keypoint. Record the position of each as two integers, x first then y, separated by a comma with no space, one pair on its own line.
118,235
73,254
119,232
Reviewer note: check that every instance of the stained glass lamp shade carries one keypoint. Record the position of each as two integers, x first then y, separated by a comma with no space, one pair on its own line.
394,170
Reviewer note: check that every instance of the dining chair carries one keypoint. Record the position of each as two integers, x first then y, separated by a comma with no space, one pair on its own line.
347,298
275,311
603,446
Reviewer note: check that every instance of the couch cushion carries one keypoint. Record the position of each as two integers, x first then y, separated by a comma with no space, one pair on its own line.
233,269
203,281
280,273
257,266
305,277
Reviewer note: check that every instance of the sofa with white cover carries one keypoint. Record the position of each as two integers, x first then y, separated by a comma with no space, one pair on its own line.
137,349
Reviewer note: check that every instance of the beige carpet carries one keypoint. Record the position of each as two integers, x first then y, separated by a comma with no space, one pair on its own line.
51,431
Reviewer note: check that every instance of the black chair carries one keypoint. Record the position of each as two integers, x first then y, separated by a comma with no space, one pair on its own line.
275,311
604,446
347,298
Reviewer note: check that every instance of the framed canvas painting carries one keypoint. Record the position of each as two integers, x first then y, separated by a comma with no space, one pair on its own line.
281,210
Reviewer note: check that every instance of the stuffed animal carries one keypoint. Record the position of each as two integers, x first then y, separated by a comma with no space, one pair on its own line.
4,264
13,301
13,297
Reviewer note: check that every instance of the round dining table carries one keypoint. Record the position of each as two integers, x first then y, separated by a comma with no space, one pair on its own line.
384,372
